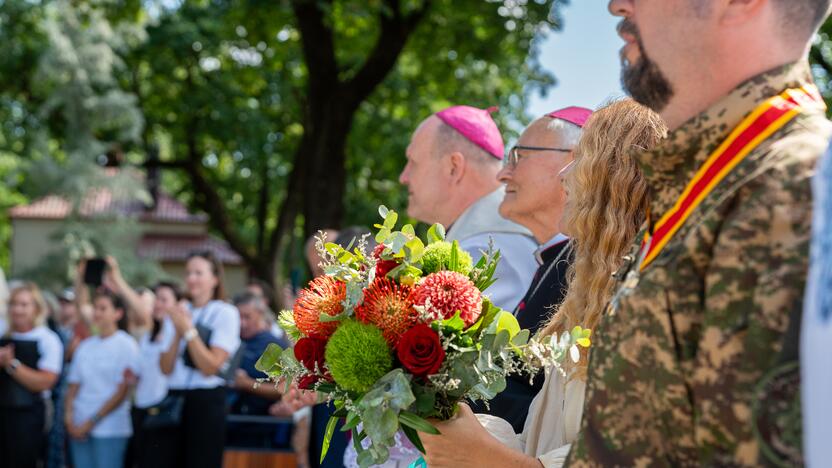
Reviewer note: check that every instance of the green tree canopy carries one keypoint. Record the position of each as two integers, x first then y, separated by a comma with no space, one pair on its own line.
280,118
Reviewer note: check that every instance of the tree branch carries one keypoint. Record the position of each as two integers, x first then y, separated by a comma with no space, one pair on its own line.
207,196
213,204
262,209
396,28
318,46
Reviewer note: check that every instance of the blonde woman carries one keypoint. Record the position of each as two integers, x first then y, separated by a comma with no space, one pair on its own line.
606,203
31,356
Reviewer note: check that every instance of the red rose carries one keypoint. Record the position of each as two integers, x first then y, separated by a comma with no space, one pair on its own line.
310,351
383,266
307,382
420,351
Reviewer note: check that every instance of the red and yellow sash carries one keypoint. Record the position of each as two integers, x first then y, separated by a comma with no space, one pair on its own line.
766,119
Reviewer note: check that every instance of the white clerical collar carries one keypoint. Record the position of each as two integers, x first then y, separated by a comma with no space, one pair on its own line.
538,254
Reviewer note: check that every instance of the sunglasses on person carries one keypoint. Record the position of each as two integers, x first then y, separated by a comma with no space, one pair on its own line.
514,154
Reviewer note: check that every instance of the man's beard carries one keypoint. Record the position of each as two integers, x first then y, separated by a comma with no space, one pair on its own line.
643,80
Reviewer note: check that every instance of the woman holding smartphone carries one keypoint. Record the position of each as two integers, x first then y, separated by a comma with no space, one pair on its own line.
206,332
31,356
153,383
97,410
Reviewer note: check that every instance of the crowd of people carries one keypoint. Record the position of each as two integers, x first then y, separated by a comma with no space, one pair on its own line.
676,224
121,376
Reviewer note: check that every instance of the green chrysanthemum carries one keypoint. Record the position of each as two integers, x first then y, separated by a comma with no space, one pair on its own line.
437,257
358,355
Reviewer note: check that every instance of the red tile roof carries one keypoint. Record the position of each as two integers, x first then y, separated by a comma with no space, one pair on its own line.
100,202
175,248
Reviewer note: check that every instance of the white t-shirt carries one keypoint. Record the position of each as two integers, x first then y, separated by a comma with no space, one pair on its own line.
153,384
223,320
49,347
98,367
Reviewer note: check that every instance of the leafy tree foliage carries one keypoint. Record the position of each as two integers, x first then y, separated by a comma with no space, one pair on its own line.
279,118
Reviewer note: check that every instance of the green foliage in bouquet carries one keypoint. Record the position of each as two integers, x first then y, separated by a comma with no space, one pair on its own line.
437,257
358,356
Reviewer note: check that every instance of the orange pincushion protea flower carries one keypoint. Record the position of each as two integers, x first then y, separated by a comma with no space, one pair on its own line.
450,292
387,305
324,295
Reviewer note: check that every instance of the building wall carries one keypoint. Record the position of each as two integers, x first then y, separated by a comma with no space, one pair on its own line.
31,241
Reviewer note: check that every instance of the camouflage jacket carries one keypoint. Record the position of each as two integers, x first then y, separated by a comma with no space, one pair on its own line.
681,352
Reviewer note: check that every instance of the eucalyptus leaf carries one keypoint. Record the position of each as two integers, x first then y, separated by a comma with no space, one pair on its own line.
391,219
380,423
269,361
521,338
425,399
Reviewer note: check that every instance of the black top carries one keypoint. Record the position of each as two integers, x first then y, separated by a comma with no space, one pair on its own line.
12,393
546,292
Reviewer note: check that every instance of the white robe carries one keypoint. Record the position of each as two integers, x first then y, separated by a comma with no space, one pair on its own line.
552,424
481,223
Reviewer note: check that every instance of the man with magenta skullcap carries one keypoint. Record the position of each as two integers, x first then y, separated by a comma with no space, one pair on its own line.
535,199
451,176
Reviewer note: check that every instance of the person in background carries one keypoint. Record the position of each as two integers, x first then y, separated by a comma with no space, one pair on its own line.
72,329
313,261
139,302
152,386
255,336
535,199
261,289
4,296
26,385
67,317
97,412
451,177
249,397
193,361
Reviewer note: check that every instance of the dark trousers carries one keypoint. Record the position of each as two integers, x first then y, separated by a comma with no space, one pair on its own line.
199,441
21,436
144,449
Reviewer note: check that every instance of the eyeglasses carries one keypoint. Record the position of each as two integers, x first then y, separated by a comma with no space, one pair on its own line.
514,154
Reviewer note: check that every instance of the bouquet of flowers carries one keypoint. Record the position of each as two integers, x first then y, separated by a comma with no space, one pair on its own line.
402,334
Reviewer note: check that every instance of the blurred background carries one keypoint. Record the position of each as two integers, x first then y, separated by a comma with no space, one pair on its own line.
148,129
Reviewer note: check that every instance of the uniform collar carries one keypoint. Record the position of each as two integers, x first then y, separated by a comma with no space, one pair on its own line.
670,166
550,249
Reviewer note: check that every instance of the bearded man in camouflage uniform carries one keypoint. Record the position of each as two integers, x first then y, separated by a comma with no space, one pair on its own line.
693,360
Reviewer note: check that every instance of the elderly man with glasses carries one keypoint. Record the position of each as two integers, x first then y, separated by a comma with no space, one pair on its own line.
535,199
451,177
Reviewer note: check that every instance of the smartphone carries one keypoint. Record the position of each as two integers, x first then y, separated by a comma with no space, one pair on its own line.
94,271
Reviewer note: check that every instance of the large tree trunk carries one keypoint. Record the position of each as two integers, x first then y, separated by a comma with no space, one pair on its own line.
325,177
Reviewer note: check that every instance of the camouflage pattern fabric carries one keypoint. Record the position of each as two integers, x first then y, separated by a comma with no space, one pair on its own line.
680,356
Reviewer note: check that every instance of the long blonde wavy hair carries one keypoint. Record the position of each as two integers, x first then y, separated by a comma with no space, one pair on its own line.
608,199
